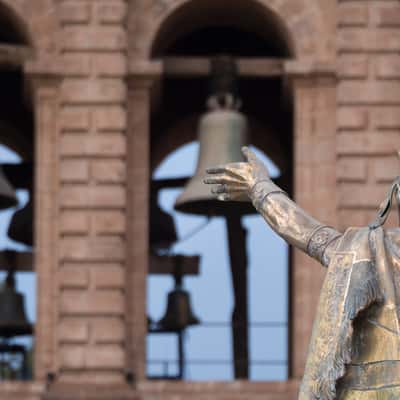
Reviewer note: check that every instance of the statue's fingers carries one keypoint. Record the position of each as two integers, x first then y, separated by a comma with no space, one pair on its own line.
216,170
233,196
227,189
221,179
223,197
238,170
218,189
235,170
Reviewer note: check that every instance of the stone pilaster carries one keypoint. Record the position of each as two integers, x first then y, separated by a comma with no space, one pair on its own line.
44,83
140,81
314,97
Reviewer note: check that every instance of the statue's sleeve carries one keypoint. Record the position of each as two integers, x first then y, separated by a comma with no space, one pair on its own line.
292,223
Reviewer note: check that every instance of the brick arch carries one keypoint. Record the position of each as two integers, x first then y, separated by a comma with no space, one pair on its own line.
300,21
245,14
36,20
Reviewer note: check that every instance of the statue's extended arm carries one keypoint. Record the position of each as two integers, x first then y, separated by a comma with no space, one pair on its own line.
241,181
291,222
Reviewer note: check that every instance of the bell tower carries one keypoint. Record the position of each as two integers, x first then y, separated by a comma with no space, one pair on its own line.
97,97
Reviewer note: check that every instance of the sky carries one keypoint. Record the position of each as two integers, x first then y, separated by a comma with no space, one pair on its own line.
208,345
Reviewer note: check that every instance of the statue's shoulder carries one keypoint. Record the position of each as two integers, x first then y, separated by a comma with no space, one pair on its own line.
355,233
354,239
393,235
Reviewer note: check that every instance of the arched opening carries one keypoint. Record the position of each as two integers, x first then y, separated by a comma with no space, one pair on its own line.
201,31
16,327
16,231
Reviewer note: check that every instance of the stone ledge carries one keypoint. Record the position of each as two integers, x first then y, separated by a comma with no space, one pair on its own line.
62,391
163,390
44,66
143,74
239,387
11,390
310,68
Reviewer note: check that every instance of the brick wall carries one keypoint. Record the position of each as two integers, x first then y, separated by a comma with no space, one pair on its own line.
91,325
93,161
93,196
368,42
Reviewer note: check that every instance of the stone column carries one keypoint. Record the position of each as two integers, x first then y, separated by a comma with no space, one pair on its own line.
140,81
45,87
91,343
314,92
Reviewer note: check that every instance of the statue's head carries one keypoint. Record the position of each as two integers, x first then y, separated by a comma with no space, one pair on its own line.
393,197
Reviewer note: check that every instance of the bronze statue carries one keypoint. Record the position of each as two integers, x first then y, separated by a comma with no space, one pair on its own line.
354,352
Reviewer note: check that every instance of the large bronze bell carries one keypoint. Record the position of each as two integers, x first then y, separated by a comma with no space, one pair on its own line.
179,314
8,198
222,133
13,320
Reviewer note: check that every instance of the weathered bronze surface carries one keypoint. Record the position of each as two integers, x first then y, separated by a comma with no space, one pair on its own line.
354,352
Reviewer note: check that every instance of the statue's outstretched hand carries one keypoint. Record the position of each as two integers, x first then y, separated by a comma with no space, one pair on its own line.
235,181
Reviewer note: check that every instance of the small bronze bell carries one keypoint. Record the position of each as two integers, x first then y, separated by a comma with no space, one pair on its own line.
13,320
179,314
222,134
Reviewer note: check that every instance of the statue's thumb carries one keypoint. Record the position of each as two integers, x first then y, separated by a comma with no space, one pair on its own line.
249,155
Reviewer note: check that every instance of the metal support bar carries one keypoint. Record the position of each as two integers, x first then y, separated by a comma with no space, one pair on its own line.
238,263
201,66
